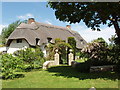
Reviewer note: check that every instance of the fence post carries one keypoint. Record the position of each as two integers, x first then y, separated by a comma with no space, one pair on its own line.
56,57
70,57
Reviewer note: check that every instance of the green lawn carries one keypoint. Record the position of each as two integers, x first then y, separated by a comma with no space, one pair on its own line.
63,77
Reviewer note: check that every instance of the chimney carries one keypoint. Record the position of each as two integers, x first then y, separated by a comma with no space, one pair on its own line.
31,20
68,26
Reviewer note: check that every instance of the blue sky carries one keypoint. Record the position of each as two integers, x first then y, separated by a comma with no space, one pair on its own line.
12,11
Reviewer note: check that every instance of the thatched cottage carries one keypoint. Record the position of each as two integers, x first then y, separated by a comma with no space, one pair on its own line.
39,34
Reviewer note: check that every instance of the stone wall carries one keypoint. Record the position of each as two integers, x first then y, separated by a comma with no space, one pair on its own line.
48,64
102,68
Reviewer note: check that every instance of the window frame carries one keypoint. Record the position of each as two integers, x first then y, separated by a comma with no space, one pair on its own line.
19,41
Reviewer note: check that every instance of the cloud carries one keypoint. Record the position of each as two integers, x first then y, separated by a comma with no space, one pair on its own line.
26,16
1,27
48,22
90,35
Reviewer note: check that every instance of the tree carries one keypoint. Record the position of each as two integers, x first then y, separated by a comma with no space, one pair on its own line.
72,42
92,14
8,30
97,51
114,51
61,45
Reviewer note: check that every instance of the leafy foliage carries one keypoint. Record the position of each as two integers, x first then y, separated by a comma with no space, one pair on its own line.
9,64
61,45
32,58
93,14
22,60
114,52
72,42
8,30
97,52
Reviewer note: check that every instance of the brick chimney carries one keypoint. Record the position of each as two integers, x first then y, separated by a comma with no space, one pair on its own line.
68,26
30,20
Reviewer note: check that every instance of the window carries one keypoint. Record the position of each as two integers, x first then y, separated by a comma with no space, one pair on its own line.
81,41
37,40
19,40
49,40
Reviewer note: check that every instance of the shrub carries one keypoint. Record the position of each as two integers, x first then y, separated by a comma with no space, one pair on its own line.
97,52
114,55
9,64
72,42
32,58
114,51
61,45
82,59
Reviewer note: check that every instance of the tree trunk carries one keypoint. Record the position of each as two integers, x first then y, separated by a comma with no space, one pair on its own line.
116,26
117,29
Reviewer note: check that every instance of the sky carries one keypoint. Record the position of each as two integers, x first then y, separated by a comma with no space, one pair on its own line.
12,11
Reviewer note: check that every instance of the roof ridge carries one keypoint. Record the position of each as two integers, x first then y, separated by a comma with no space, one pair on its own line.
58,27
51,25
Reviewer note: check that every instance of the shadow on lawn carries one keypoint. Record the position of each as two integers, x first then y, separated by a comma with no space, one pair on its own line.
70,72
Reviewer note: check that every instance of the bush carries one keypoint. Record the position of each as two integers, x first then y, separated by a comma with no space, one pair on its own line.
72,42
23,60
32,58
82,59
9,64
114,55
61,45
97,52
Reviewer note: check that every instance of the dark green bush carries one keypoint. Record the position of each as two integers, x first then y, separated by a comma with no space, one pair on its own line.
72,42
61,45
114,55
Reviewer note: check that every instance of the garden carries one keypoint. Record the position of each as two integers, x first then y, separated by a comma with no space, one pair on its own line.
23,69
63,77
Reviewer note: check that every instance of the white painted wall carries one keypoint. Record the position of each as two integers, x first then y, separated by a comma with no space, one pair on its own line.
14,46
44,50
3,49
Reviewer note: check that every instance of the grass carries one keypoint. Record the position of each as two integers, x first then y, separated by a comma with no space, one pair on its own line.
63,77
81,60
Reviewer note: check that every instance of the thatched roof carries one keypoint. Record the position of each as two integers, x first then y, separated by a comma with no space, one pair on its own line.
41,31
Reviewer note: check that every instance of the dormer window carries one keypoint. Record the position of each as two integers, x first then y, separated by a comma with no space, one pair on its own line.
81,41
37,40
49,40
19,40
